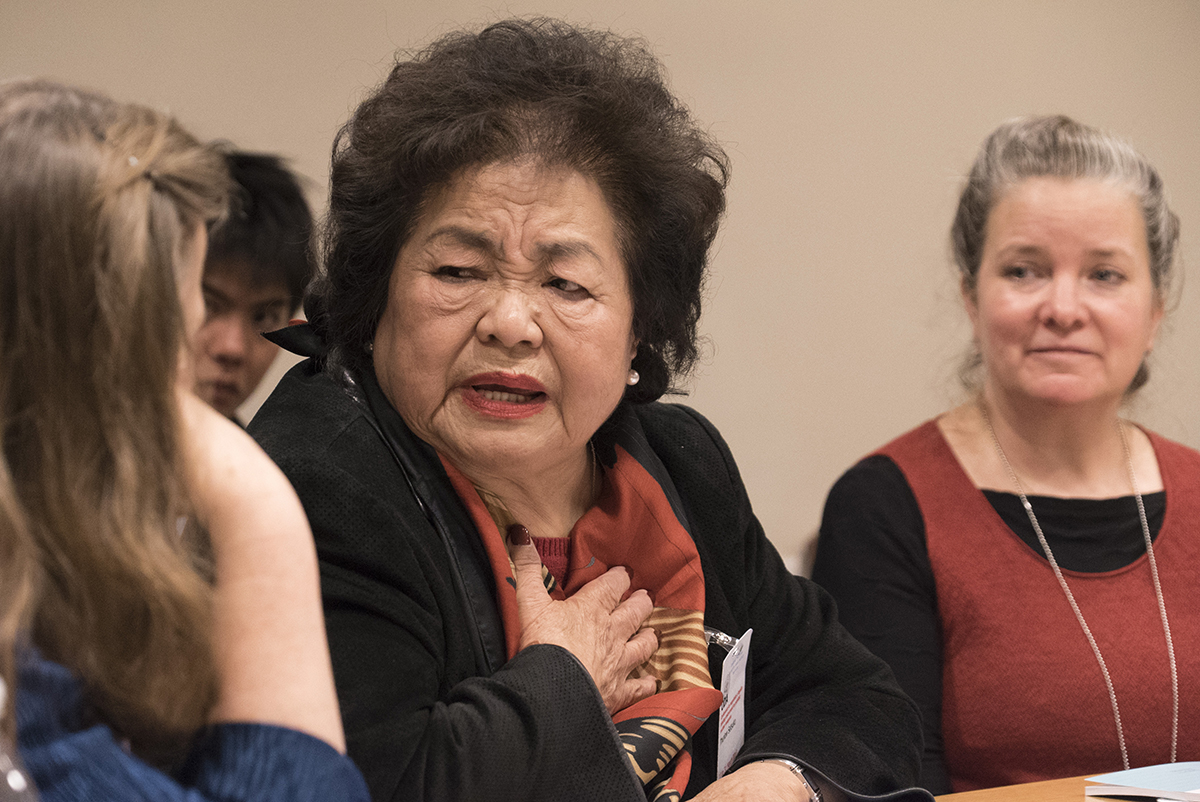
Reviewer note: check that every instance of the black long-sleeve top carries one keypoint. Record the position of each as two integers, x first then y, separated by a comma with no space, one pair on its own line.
872,558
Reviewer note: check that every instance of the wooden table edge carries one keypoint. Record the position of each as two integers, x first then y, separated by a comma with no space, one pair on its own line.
1068,789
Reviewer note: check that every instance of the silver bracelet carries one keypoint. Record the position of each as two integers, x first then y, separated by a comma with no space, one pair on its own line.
814,793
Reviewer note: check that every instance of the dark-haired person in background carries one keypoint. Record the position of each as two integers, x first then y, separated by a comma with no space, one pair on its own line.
527,561
259,262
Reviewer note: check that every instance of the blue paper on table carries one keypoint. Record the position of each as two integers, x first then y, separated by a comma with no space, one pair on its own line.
1180,781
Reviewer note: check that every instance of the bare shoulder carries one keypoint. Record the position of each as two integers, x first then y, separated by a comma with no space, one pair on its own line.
216,443
234,485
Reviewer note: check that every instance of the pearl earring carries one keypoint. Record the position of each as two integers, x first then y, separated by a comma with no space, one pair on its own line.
634,378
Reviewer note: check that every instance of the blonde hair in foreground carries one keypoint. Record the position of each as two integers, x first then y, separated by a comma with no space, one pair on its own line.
97,201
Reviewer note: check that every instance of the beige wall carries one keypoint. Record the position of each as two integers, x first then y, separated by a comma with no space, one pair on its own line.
832,317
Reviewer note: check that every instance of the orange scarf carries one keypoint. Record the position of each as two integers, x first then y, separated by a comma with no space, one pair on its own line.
631,525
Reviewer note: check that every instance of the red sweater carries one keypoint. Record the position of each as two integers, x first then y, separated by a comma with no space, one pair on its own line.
1023,698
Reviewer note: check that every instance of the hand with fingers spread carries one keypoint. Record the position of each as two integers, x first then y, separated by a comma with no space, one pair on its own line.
603,632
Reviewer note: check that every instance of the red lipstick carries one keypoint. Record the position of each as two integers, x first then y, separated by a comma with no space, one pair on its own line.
504,395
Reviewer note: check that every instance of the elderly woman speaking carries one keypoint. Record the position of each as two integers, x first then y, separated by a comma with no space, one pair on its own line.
531,572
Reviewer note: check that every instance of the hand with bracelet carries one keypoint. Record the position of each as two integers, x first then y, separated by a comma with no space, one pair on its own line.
769,780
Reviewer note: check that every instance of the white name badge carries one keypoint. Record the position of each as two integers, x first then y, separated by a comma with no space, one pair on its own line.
732,721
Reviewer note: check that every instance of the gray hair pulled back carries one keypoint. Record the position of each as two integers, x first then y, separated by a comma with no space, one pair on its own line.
1059,147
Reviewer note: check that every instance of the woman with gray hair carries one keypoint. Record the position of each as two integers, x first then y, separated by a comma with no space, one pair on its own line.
1023,560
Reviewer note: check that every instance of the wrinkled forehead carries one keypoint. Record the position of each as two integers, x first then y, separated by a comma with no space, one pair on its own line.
528,206
525,174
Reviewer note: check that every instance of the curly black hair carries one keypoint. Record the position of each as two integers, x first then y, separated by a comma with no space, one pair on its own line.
539,88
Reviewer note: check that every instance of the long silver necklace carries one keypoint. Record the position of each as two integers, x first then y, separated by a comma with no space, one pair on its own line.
1162,607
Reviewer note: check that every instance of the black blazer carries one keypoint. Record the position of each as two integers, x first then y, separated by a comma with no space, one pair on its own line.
432,710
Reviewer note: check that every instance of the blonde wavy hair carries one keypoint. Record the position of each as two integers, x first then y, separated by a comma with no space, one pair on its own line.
97,202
